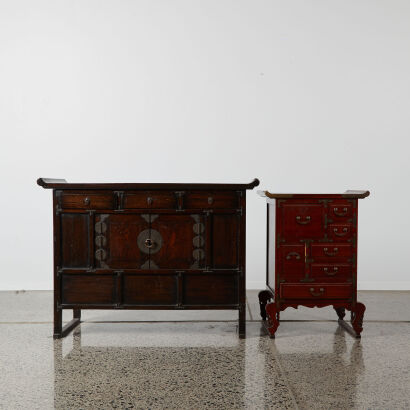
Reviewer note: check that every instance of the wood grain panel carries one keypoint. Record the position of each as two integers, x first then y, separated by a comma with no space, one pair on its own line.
225,241
74,240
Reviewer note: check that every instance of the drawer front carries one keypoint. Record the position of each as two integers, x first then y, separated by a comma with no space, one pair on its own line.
341,232
211,289
205,200
339,211
335,272
331,251
316,291
292,262
87,200
303,221
149,200
88,289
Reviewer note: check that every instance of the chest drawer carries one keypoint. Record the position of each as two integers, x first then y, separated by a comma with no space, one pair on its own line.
341,232
87,200
149,200
205,200
292,262
339,211
331,251
302,221
339,272
316,291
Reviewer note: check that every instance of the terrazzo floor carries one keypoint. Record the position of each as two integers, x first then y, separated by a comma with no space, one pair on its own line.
195,360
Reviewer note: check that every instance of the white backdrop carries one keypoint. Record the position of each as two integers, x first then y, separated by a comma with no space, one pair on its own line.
308,96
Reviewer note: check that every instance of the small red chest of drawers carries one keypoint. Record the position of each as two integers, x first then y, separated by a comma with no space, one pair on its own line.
312,255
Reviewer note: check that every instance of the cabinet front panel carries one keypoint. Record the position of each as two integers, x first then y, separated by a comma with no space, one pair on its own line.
149,200
150,290
74,240
206,200
292,262
210,289
87,200
302,221
118,243
315,291
91,289
182,241
225,241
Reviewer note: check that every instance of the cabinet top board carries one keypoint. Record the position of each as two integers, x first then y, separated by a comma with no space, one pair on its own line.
349,194
49,183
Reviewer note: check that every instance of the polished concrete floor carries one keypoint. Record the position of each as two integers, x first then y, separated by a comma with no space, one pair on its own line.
194,359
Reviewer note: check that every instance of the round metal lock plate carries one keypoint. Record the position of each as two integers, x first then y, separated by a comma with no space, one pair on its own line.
154,241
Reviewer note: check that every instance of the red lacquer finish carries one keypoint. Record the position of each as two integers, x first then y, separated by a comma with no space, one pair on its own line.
312,255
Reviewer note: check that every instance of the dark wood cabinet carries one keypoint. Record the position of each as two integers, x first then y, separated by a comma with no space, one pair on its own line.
148,246
312,255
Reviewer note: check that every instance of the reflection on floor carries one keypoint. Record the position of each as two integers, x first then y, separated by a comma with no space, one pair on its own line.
200,362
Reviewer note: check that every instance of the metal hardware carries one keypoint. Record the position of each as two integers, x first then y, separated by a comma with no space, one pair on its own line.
210,200
329,273
313,293
326,252
337,233
100,241
100,254
149,243
291,254
87,201
339,213
150,201
100,227
299,220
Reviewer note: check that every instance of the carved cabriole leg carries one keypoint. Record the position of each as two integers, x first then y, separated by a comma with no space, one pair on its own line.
357,318
341,312
264,296
273,318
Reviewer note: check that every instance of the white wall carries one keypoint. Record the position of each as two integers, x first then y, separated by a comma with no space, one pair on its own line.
305,95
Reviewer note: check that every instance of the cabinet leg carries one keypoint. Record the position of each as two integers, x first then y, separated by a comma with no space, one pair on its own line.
77,313
341,312
357,318
273,318
58,323
264,297
242,321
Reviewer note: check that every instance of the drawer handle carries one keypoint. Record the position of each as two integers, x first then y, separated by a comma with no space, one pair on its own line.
337,233
292,254
330,273
149,243
326,251
306,221
150,200
87,201
313,293
338,213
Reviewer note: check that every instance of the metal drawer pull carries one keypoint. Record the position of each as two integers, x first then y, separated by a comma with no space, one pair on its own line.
337,233
306,221
149,243
313,293
338,213
330,273
87,201
291,254
149,200
335,250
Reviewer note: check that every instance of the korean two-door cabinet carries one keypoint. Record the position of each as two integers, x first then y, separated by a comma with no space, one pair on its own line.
312,255
148,246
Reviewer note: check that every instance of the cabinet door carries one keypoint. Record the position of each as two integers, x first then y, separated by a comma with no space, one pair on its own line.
225,240
119,241
178,241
